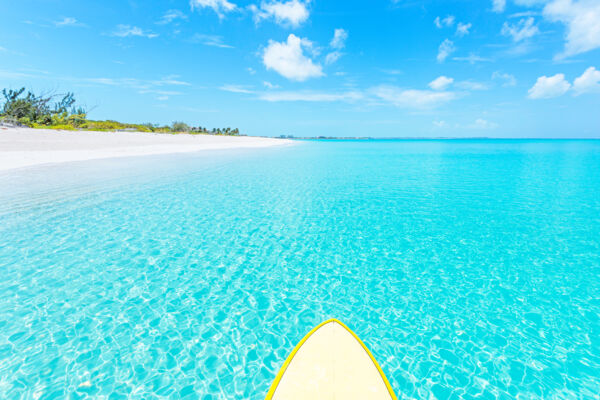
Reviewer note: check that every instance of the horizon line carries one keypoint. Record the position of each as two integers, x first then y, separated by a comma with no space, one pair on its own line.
365,138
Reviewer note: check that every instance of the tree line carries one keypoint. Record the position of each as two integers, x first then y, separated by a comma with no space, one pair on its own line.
60,111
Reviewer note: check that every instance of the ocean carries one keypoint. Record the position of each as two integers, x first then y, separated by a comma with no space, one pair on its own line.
470,268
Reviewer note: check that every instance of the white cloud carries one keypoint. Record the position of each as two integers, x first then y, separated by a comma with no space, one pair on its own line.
445,49
156,87
449,20
582,20
406,98
143,85
498,6
161,87
292,13
288,59
210,40
411,98
269,85
221,7
530,3
237,89
67,21
471,85
547,87
525,14
338,43
310,96
482,124
472,59
589,81
523,29
507,79
128,30
339,39
332,57
463,29
446,22
441,83
171,80
392,71
171,16
162,93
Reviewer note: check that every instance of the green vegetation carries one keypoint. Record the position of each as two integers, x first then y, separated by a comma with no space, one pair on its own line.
58,111
180,127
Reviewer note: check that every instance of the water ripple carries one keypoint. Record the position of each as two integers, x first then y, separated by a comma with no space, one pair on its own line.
471,269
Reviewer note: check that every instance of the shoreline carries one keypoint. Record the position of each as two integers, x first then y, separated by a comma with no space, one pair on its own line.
27,147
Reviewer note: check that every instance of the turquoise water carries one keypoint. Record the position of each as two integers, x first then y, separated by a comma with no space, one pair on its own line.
470,268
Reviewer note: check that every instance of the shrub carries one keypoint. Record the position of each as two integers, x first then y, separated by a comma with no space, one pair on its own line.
150,126
8,120
77,120
31,109
25,121
58,119
102,125
63,127
141,128
180,127
59,112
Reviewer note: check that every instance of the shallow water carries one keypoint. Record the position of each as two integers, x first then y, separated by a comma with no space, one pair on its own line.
470,268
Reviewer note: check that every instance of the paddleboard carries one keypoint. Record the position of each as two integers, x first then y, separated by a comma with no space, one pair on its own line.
331,362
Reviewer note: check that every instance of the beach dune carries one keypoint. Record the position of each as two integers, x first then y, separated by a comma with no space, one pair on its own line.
24,147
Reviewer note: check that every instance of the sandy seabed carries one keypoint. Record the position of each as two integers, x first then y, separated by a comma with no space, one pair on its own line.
23,147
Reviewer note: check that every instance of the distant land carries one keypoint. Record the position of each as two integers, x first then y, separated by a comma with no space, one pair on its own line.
19,108
368,138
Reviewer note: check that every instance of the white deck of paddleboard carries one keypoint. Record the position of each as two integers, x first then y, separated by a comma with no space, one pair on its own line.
331,364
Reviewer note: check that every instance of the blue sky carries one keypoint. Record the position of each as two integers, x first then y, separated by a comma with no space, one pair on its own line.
514,68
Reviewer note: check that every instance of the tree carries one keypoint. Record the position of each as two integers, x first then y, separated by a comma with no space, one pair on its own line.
31,109
65,104
180,127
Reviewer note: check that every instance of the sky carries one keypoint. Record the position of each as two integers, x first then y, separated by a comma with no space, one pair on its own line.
379,68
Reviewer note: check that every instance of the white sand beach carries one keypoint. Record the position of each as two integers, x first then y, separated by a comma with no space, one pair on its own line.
23,147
